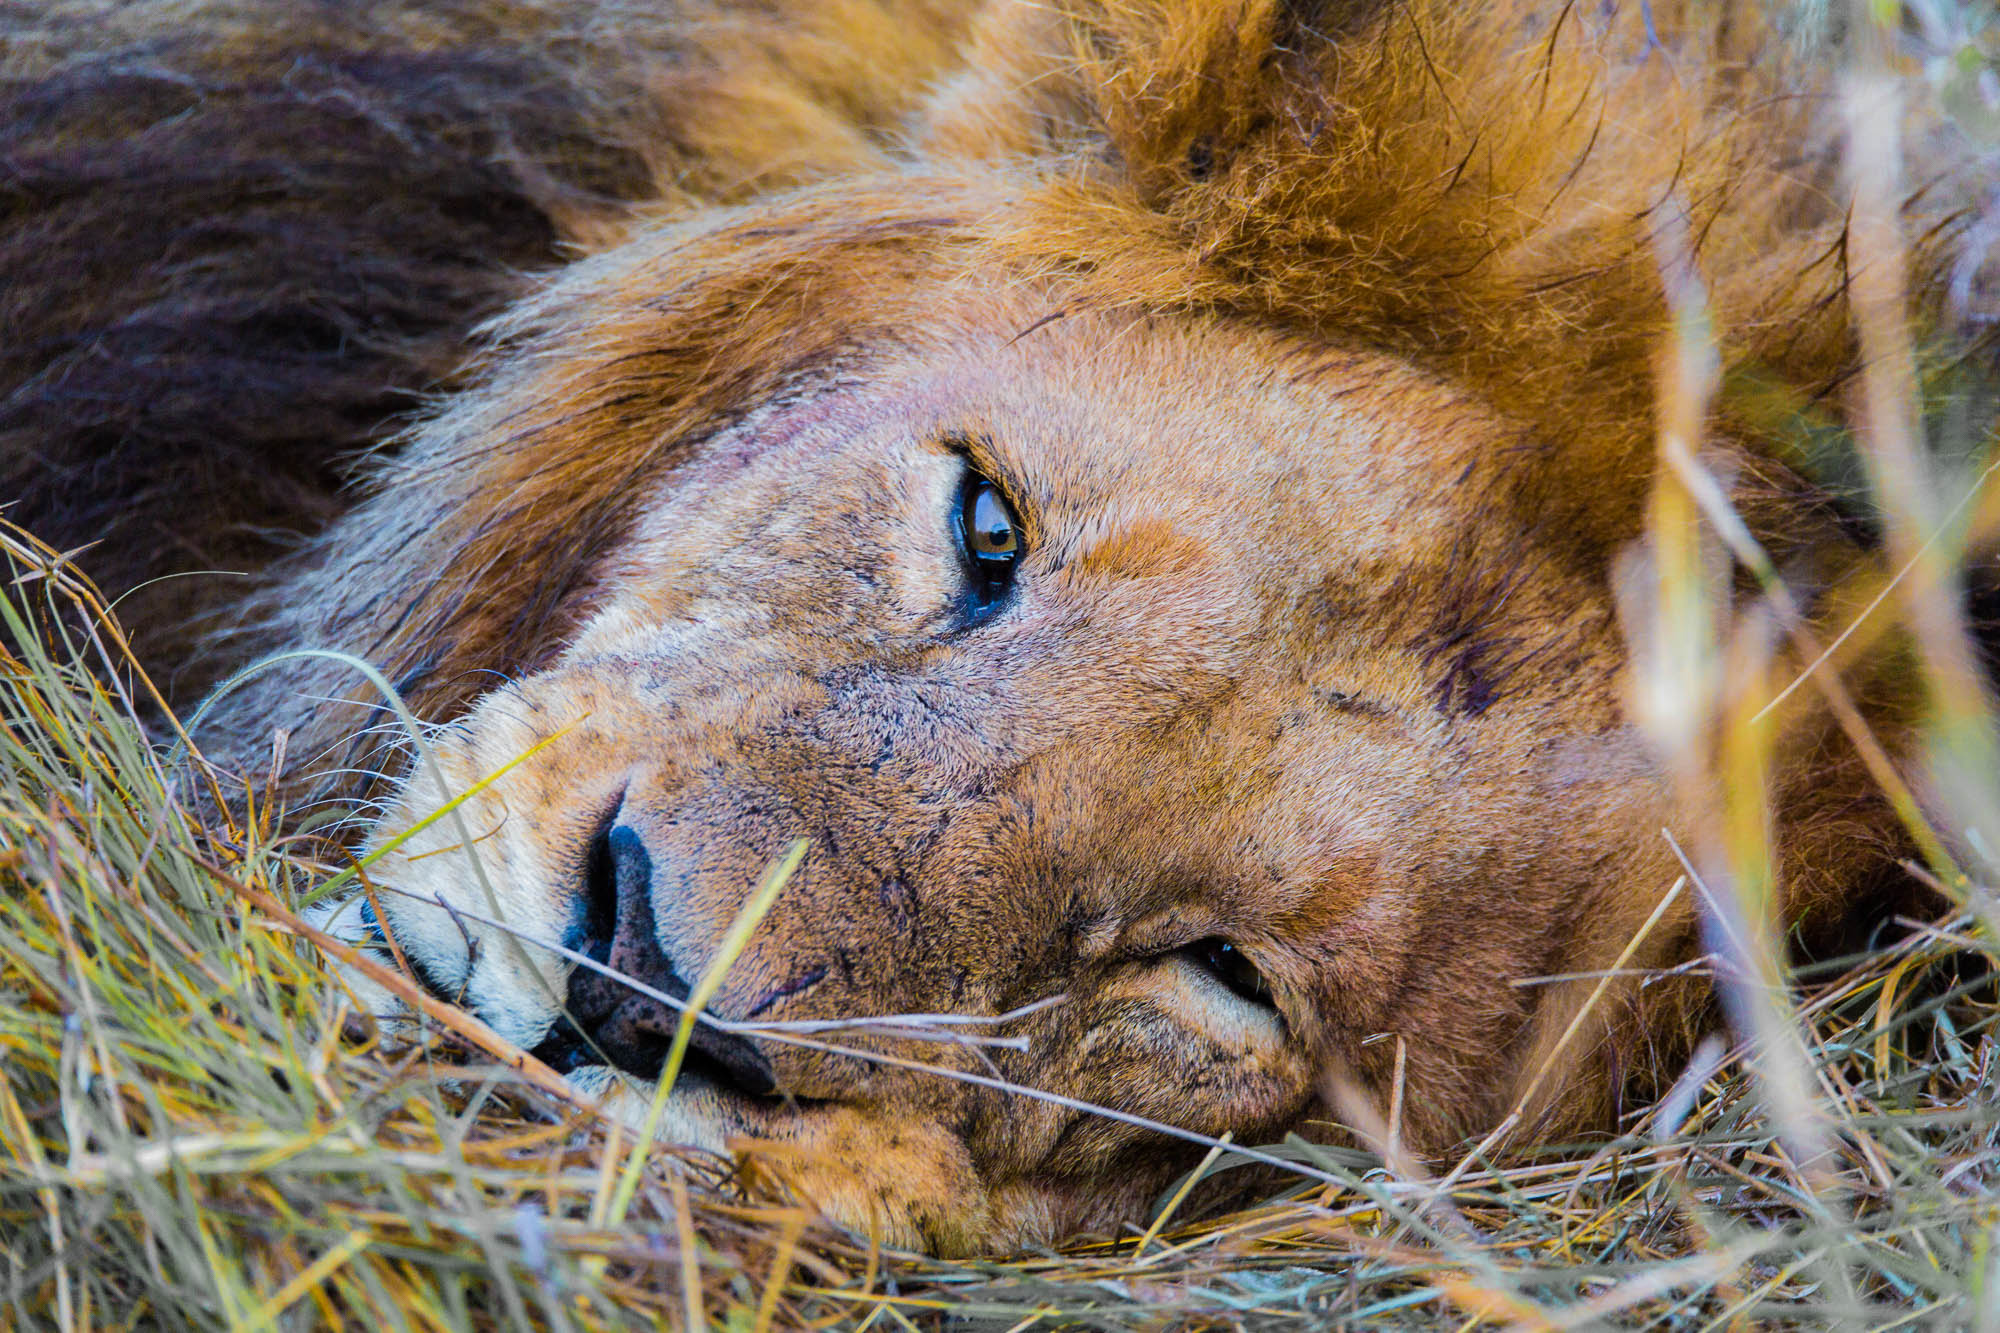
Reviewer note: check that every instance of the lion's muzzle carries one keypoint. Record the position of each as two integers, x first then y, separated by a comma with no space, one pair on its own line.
606,1019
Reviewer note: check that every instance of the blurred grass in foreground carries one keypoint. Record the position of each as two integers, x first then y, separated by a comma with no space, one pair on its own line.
199,1130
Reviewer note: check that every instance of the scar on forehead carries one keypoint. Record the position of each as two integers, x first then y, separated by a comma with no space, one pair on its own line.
1150,548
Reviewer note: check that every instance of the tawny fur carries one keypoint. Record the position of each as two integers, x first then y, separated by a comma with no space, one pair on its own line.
1319,340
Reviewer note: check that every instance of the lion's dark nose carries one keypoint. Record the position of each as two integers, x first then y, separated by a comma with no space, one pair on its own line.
607,1018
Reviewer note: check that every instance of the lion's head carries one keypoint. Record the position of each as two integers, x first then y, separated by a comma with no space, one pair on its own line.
1152,538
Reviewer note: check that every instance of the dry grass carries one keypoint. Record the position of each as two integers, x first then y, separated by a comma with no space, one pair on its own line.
199,1128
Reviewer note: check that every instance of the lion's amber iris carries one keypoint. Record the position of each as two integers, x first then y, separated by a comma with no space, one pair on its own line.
990,533
991,538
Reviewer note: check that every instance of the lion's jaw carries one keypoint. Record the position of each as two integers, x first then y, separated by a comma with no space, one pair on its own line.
1284,665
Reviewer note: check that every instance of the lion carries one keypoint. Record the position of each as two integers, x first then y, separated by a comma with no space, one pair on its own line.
1126,495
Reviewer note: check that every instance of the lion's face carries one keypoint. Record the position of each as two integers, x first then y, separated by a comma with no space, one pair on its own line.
1244,760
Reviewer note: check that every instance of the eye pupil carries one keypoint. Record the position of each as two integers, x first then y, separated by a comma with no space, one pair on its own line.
1226,963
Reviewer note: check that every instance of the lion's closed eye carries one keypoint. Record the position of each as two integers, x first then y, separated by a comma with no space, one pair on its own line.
1227,964
1229,989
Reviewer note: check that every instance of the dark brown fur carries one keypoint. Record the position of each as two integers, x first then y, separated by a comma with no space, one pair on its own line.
243,243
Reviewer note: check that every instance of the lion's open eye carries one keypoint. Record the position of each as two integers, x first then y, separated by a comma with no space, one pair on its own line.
990,536
1226,963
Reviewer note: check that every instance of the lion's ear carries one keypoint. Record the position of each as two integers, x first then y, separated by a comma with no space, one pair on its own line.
1018,95
1156,93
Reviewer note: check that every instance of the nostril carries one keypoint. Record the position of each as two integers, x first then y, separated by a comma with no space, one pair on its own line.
600,893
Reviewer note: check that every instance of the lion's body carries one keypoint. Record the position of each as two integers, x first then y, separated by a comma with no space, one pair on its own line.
1315,347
